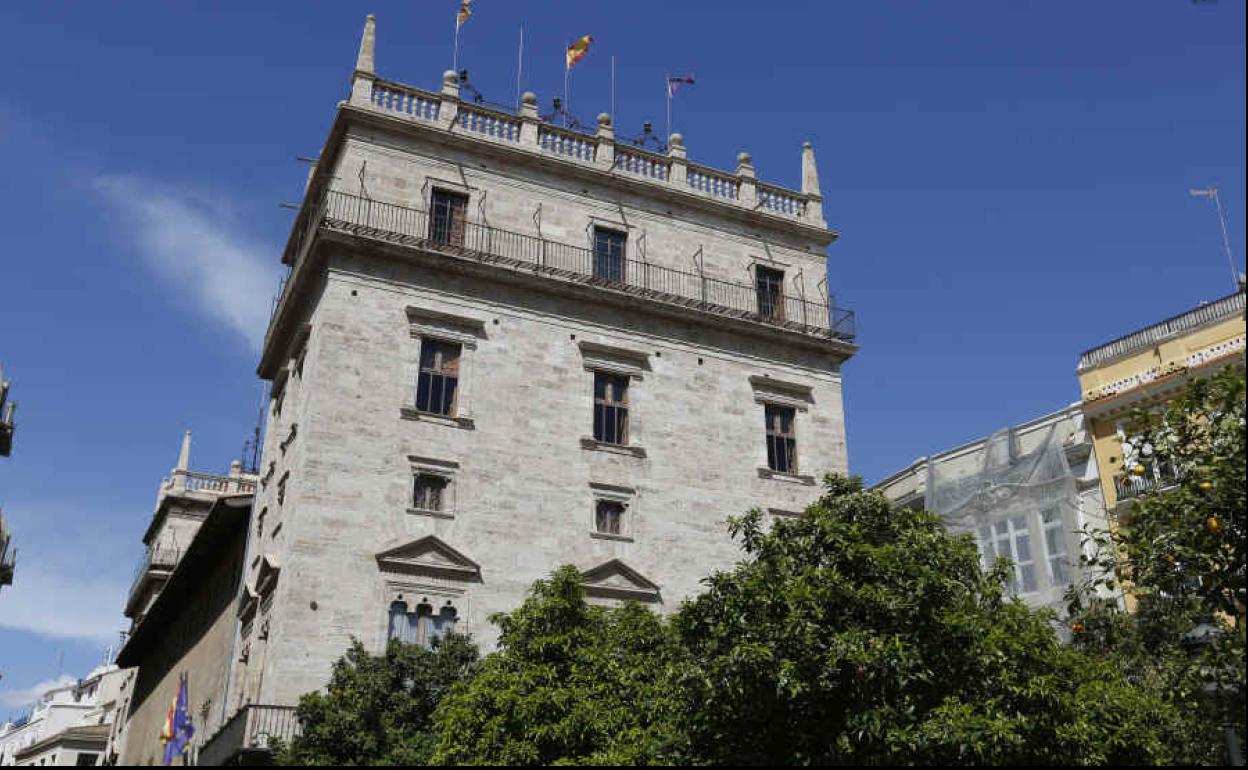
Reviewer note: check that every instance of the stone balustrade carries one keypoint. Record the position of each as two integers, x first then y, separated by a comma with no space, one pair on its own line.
526,131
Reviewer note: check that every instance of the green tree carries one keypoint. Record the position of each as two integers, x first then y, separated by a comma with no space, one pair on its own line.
378,709
860,634
571,683
1178,551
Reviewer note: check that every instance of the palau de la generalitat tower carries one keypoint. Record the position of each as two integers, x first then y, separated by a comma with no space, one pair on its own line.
505,346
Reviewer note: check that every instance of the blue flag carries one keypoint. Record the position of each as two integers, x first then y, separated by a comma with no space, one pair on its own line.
181,727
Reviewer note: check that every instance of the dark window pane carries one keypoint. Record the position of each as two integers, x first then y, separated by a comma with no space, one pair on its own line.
438,377
781,438
610,408
610,517
609,254
447,214
769,286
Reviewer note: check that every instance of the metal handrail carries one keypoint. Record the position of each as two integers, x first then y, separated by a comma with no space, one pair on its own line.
398,224
1225,307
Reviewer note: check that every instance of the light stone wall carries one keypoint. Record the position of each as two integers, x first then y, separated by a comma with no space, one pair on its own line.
521,490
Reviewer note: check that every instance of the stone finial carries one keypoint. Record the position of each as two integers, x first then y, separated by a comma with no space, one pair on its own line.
810,174
184,456
745,165
676,147
367,60
529,98
676,140
604,119
450,82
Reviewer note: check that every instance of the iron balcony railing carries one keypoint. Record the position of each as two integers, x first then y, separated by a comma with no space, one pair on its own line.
154,559
401,225
252,728
1158,474
1227,307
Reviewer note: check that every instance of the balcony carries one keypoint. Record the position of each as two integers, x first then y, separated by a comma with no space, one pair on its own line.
156,562
248,733
398,225
1157,475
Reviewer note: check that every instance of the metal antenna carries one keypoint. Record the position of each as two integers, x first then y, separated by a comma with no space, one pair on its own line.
1212,192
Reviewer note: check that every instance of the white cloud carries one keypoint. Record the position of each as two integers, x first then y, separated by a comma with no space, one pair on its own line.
15,699
193,245
55,604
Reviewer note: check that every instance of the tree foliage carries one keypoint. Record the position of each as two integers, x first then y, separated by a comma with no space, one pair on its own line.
1178,551
571,683
860,634
378,709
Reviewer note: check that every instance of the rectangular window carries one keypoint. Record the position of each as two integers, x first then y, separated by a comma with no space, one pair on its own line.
429,494
610,408
1055,545
781,438
769,286
609,517
609,254
438,378
448,214
1010,539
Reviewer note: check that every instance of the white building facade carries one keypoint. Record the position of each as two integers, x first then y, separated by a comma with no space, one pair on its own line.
1024,493
504,346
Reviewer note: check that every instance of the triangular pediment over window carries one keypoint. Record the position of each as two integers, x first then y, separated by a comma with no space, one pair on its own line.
429,556
617,580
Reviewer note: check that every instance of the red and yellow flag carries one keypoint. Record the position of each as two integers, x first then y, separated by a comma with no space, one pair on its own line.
464,12
577,50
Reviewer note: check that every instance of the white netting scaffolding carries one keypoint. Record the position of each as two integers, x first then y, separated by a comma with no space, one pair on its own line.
1024,507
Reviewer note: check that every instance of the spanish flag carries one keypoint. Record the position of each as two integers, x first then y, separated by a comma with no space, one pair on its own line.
577,50
464,13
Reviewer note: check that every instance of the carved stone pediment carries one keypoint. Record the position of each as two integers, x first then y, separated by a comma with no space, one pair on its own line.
617,580
428,556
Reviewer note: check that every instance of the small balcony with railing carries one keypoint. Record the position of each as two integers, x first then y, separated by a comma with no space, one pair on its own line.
152,570
1146,476
248,736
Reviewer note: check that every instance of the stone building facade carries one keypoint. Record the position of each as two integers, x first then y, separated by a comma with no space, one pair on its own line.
504,346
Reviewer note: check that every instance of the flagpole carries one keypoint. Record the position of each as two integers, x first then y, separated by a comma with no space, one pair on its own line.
567,100
455,54
519,66
667,84
613,89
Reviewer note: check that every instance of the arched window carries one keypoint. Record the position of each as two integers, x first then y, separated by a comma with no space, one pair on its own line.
424,626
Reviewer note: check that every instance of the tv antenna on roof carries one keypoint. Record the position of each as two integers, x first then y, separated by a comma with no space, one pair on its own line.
1212,192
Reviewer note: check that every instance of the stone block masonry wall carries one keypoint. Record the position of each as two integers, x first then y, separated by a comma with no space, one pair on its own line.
523,500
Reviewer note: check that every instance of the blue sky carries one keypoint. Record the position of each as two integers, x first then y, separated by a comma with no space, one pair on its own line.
1010,181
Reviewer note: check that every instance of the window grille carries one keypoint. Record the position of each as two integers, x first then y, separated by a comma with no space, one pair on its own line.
781,438
1011,539
438,378
610,408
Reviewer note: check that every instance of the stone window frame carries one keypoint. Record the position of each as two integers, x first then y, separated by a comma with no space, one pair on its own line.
431,466
614,493
620,362
784,393
413,593
465,331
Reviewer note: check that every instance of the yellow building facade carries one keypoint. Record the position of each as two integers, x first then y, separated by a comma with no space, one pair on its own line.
1148,367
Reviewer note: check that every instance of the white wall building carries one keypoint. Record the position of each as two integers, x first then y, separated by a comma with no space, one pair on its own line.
53,734
504,346
1023,493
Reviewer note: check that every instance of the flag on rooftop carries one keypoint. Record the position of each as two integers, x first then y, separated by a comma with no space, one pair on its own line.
674,82
577,50
465,12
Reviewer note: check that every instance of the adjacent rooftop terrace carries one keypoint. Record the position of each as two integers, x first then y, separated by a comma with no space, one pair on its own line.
1213,312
